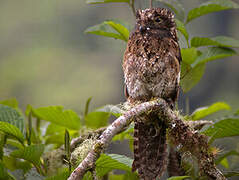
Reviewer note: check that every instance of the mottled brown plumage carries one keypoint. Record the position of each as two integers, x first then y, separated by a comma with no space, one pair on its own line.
152,70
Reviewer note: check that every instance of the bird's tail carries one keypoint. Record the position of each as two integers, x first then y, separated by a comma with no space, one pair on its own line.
150,148
174,165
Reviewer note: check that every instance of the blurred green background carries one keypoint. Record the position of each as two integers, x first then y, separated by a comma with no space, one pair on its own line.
47,59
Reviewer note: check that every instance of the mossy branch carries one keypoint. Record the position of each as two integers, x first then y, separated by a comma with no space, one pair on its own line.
179,133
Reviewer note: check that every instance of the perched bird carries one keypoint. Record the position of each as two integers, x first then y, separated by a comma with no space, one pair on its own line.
151,68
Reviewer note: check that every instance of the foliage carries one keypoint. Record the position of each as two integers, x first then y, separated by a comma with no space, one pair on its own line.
26,146
112,29
56,115
178,177
205,111
107,163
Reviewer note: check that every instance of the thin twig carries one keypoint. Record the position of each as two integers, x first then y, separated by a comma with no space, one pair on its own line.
151,4
198,125
131,4
76,141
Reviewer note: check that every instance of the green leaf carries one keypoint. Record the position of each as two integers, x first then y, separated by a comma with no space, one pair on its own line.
177,8
189,55
14,143
13,164
114,29
230,153
3,140
54,129
62,174
88,176
55,134
178,177
87,104
12,131
224,128
209,7
106,1
182,28
191,76
57,139
11,116
205,111
222,41
213,53
226,41
224,162
30,153
183,43
10,102
120,28
127,134
3,171
4,175
116,177
124,160
97,119
28,109
57,115
126,176
35,139
203,41
109,162
231,174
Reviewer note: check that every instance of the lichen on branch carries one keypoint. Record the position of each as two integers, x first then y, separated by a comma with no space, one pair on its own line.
179,134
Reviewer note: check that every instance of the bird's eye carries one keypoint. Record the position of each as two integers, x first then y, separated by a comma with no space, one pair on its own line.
158,20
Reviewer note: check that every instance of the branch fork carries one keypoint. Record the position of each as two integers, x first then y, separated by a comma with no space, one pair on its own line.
179,133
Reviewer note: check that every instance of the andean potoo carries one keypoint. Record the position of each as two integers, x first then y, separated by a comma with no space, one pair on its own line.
152,70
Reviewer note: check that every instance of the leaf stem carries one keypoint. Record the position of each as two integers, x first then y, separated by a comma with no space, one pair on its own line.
183,76
131,4
188,44
38,125
29,129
